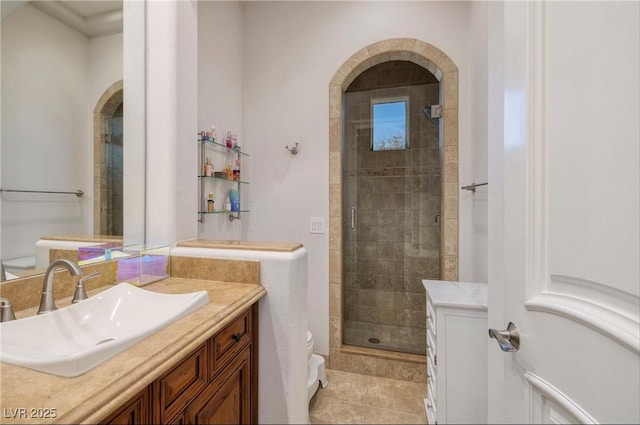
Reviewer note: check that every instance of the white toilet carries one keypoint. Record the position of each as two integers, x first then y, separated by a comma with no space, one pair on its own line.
315,369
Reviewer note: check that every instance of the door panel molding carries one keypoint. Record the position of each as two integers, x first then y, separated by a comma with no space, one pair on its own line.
610,311
611,323
537,140
596,292
547,404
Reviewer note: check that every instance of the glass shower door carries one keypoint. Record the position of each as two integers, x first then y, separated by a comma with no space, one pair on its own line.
114,176
391,201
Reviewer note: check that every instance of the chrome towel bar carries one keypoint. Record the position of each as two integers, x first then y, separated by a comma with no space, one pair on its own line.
472,186
78,193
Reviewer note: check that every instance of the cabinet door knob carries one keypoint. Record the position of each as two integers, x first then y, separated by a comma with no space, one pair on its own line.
237,337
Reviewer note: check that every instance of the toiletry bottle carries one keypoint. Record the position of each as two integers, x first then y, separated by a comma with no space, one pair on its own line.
234,197
236,170
234,141
213,133
227,204
209,168
229,141
228,171
210,204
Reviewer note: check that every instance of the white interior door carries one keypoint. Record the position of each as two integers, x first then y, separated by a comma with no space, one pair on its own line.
564,212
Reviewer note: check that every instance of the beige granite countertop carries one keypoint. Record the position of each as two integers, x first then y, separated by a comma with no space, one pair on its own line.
246,245
83,238
92,396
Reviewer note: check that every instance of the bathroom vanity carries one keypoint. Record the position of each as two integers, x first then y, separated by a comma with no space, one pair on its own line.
201,368
128,383
456,352
215,384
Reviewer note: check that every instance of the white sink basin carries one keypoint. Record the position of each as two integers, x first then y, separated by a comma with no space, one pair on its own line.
74,339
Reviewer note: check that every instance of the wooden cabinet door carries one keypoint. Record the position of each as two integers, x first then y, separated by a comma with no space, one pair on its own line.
175,390
227,399
137,411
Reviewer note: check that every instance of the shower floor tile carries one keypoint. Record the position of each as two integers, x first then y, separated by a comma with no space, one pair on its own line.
388,337
354,398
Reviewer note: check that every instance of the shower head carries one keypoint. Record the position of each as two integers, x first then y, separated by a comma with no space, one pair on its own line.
432,113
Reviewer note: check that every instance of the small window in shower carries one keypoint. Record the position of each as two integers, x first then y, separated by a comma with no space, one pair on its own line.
390,123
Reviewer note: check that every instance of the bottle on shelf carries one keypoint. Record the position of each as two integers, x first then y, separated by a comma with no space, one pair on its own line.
229,171
229,141
213,133
210,203
227,203
207,168
234,197
236,170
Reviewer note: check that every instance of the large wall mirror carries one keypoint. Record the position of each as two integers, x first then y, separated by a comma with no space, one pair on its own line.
73,120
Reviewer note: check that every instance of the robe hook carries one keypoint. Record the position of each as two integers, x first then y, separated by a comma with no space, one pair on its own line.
293,150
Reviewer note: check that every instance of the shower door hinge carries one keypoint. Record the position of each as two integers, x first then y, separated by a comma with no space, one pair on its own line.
435,360
436,111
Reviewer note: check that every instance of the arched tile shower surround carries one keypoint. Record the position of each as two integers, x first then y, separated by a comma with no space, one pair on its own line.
365,360
110,100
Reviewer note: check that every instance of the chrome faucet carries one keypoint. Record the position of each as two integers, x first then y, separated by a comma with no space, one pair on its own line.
47,302
6,310
81,293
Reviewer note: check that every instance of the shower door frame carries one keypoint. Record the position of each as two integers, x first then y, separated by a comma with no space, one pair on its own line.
383,297
109,101
370,361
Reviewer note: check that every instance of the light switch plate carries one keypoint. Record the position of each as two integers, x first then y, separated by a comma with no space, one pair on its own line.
316,225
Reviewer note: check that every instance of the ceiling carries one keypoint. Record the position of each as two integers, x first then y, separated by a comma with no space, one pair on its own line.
91,8
91,18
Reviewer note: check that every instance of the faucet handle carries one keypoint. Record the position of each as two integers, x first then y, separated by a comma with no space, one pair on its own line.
6,310
81,293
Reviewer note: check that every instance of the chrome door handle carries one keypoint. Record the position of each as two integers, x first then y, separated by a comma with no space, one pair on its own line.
508,340
353,218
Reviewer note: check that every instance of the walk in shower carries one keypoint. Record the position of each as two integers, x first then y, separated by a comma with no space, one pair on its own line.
114,174
108,162
391,171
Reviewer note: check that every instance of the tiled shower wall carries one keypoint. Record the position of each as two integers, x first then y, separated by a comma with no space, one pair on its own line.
114,198
396,242
109,105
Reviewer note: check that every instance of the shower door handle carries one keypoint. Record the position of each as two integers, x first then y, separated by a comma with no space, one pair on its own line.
354,218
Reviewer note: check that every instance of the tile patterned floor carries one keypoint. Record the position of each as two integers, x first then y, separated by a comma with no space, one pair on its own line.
351,398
